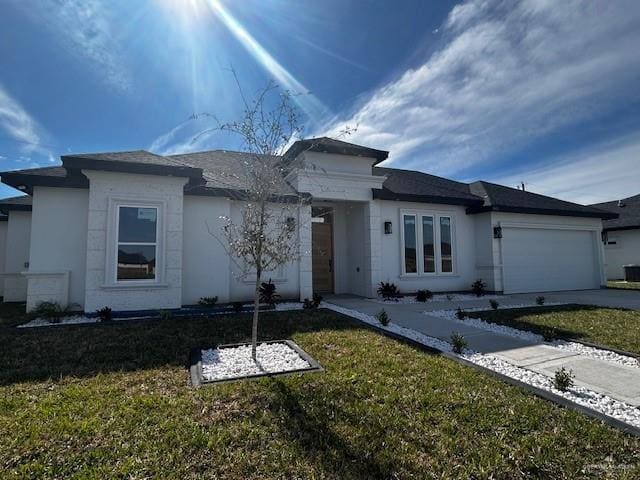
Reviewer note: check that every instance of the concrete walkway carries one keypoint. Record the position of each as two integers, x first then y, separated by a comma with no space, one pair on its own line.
615,380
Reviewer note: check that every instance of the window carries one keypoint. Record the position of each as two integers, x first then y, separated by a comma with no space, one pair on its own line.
137,243
410,243
446,254
428,245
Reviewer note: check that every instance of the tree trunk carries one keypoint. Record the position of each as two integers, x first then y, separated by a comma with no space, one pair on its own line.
256,308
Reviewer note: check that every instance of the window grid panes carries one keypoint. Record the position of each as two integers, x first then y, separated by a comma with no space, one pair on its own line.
428,245
446,253
410,244
137,243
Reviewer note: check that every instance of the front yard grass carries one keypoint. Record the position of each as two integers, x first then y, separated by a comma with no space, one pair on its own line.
624,285
610,327
113,401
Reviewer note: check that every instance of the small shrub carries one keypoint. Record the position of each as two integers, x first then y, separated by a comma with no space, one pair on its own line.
52,311
383,317
208,301
308,304
165,314
460,314
105,314
494,304
424,295
317,300
540,300
563,379
549,333
449,297
237,306
388,291
458,343
479,288
268,293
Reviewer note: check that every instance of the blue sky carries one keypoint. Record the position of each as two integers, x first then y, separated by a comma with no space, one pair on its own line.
543,92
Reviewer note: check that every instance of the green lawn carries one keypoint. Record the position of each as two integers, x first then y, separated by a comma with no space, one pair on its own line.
611,327
113,401
624,285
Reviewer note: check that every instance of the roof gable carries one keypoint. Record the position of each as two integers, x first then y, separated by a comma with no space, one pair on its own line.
628,210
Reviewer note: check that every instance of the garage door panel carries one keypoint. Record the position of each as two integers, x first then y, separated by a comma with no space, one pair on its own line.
538,260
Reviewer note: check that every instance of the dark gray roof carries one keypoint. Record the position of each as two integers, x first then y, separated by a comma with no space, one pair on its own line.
507,199
628,211
219,172
331,145
136,161
413,186
21,203
227,170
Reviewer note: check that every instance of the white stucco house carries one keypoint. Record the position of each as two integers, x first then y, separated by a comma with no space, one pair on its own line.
131,230
621,235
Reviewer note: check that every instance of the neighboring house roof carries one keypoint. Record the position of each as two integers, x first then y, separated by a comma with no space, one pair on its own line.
412,186
219,173
20,203
331,145
628,210
506,199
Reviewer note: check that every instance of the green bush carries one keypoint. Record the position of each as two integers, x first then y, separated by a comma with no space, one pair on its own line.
317,300
540,300
208,301
458,343
104,314
52,311
460,314
237,306
383,317
165,314
308,304
549,333
388,291
423,295
479,288
268,293
494,304
563,379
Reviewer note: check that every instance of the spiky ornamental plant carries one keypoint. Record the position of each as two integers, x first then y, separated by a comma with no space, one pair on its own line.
265,236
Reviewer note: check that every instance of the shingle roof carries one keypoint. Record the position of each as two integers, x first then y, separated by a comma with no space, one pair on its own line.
628,211
507,199
22,202
331,145
133,156
412,186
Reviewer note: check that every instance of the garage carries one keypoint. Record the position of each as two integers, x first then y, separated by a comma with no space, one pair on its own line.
541,260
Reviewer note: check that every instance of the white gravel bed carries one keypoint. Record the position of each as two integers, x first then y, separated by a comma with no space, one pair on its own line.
286,306
437,297
72,320
579,395
576,347
236,362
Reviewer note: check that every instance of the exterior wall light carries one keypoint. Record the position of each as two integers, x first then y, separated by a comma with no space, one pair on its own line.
387,228
497,232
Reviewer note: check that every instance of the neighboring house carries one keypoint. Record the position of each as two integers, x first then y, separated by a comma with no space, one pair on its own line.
621,235
132,230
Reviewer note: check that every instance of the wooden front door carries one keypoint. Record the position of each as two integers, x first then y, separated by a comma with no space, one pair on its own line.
322,257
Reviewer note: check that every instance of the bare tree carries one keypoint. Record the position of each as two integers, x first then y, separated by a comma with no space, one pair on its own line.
265,237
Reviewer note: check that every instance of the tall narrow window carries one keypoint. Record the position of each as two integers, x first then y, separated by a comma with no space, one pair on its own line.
410,244
137,243
428,247
446,255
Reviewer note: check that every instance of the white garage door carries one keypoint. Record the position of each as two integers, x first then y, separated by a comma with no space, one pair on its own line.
542,260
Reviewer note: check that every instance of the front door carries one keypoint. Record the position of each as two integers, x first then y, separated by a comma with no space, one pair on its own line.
322,251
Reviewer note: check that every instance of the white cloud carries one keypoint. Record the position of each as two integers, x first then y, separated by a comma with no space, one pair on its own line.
21,127
610,171
83,27
507,74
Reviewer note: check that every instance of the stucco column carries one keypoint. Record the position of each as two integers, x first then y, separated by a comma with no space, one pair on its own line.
372,247
306,279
